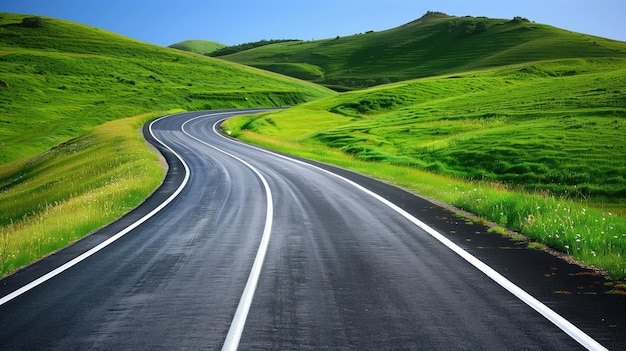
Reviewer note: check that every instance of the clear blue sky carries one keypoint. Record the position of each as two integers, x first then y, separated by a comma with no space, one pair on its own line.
165,22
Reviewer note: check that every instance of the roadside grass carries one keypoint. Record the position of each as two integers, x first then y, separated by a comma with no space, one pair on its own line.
580,228
58,197
590,235
537,148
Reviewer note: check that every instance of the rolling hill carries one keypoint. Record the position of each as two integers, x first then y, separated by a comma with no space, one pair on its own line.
59,79
519,123
536,147
433,45
202,47
70,159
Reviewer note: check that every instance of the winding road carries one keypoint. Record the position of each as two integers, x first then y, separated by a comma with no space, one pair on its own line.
245,248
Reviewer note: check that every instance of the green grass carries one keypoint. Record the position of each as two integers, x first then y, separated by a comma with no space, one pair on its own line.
527,137
65,78
433,45
246,46
590,235
303,71
202,47
59,196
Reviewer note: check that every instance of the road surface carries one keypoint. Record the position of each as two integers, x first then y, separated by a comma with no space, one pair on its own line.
253,250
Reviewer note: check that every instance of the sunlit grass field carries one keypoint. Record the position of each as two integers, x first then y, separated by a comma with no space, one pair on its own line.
537,147
59,196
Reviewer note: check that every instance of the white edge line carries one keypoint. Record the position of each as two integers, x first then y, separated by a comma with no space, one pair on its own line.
241,314
107,242
562,323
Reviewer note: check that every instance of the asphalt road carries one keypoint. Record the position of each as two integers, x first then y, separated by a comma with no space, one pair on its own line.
259,251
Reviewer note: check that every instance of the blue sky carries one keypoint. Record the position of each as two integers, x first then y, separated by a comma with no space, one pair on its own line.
164,22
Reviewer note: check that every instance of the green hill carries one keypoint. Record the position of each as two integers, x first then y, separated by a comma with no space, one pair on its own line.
59,79
69,162
537,148
433,45
202,47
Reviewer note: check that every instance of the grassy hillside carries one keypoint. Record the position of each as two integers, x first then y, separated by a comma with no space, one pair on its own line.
59,79
509,144
69,162
59,196
202,47
247,46
433,45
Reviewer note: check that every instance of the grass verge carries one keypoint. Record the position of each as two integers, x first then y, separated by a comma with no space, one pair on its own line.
53,199
584,227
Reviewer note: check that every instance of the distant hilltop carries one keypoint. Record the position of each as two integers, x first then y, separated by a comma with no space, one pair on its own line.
432,45
203,47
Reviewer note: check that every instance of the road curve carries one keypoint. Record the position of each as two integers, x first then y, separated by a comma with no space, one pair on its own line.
258,251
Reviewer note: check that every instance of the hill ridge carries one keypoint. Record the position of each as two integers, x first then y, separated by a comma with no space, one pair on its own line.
432,45
202,47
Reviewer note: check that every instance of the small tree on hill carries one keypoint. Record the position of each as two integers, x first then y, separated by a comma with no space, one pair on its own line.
480,27
434,13
32,22
518,19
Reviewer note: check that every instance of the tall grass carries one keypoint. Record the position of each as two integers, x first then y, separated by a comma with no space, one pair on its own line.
593,236
58,197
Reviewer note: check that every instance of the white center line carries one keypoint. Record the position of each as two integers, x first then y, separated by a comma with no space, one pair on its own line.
241,314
